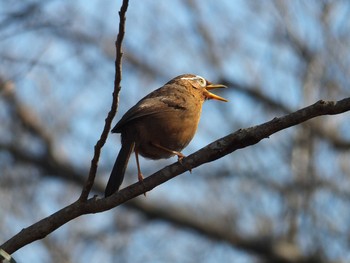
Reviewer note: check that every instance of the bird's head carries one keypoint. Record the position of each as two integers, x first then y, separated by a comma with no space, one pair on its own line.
202,85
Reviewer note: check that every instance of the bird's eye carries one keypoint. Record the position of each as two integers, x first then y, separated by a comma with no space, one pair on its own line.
201,81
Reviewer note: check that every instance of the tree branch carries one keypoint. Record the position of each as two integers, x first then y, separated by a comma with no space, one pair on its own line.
226,145
117,79
271,249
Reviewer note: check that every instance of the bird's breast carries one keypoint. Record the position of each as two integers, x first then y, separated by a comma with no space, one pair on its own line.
171,129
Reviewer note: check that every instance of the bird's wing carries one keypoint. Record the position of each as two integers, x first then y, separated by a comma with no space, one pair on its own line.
147,107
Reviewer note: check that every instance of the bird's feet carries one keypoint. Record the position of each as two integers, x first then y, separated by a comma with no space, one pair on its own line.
140,178
180,156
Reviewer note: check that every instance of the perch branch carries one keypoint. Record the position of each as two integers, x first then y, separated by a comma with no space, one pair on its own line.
221,147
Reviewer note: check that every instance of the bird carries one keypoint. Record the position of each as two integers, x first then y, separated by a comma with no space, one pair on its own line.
161,124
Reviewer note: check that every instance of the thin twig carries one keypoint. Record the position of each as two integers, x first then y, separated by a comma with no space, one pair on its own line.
108,121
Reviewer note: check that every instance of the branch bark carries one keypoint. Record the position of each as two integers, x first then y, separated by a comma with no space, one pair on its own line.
221,147
117,79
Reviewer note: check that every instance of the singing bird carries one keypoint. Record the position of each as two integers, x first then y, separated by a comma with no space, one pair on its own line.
161,124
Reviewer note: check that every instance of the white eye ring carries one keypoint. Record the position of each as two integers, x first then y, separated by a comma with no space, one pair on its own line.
199,79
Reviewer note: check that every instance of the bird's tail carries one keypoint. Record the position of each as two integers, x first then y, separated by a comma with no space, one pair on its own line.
118,171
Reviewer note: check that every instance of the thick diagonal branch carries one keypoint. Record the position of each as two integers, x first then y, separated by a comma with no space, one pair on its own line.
224,146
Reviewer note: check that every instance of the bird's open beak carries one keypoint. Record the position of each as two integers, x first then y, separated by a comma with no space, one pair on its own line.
210,95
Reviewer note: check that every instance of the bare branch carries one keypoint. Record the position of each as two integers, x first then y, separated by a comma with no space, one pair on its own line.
226,145
255,93
272,250
117,79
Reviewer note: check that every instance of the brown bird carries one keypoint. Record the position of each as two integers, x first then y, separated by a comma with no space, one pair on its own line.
161,124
